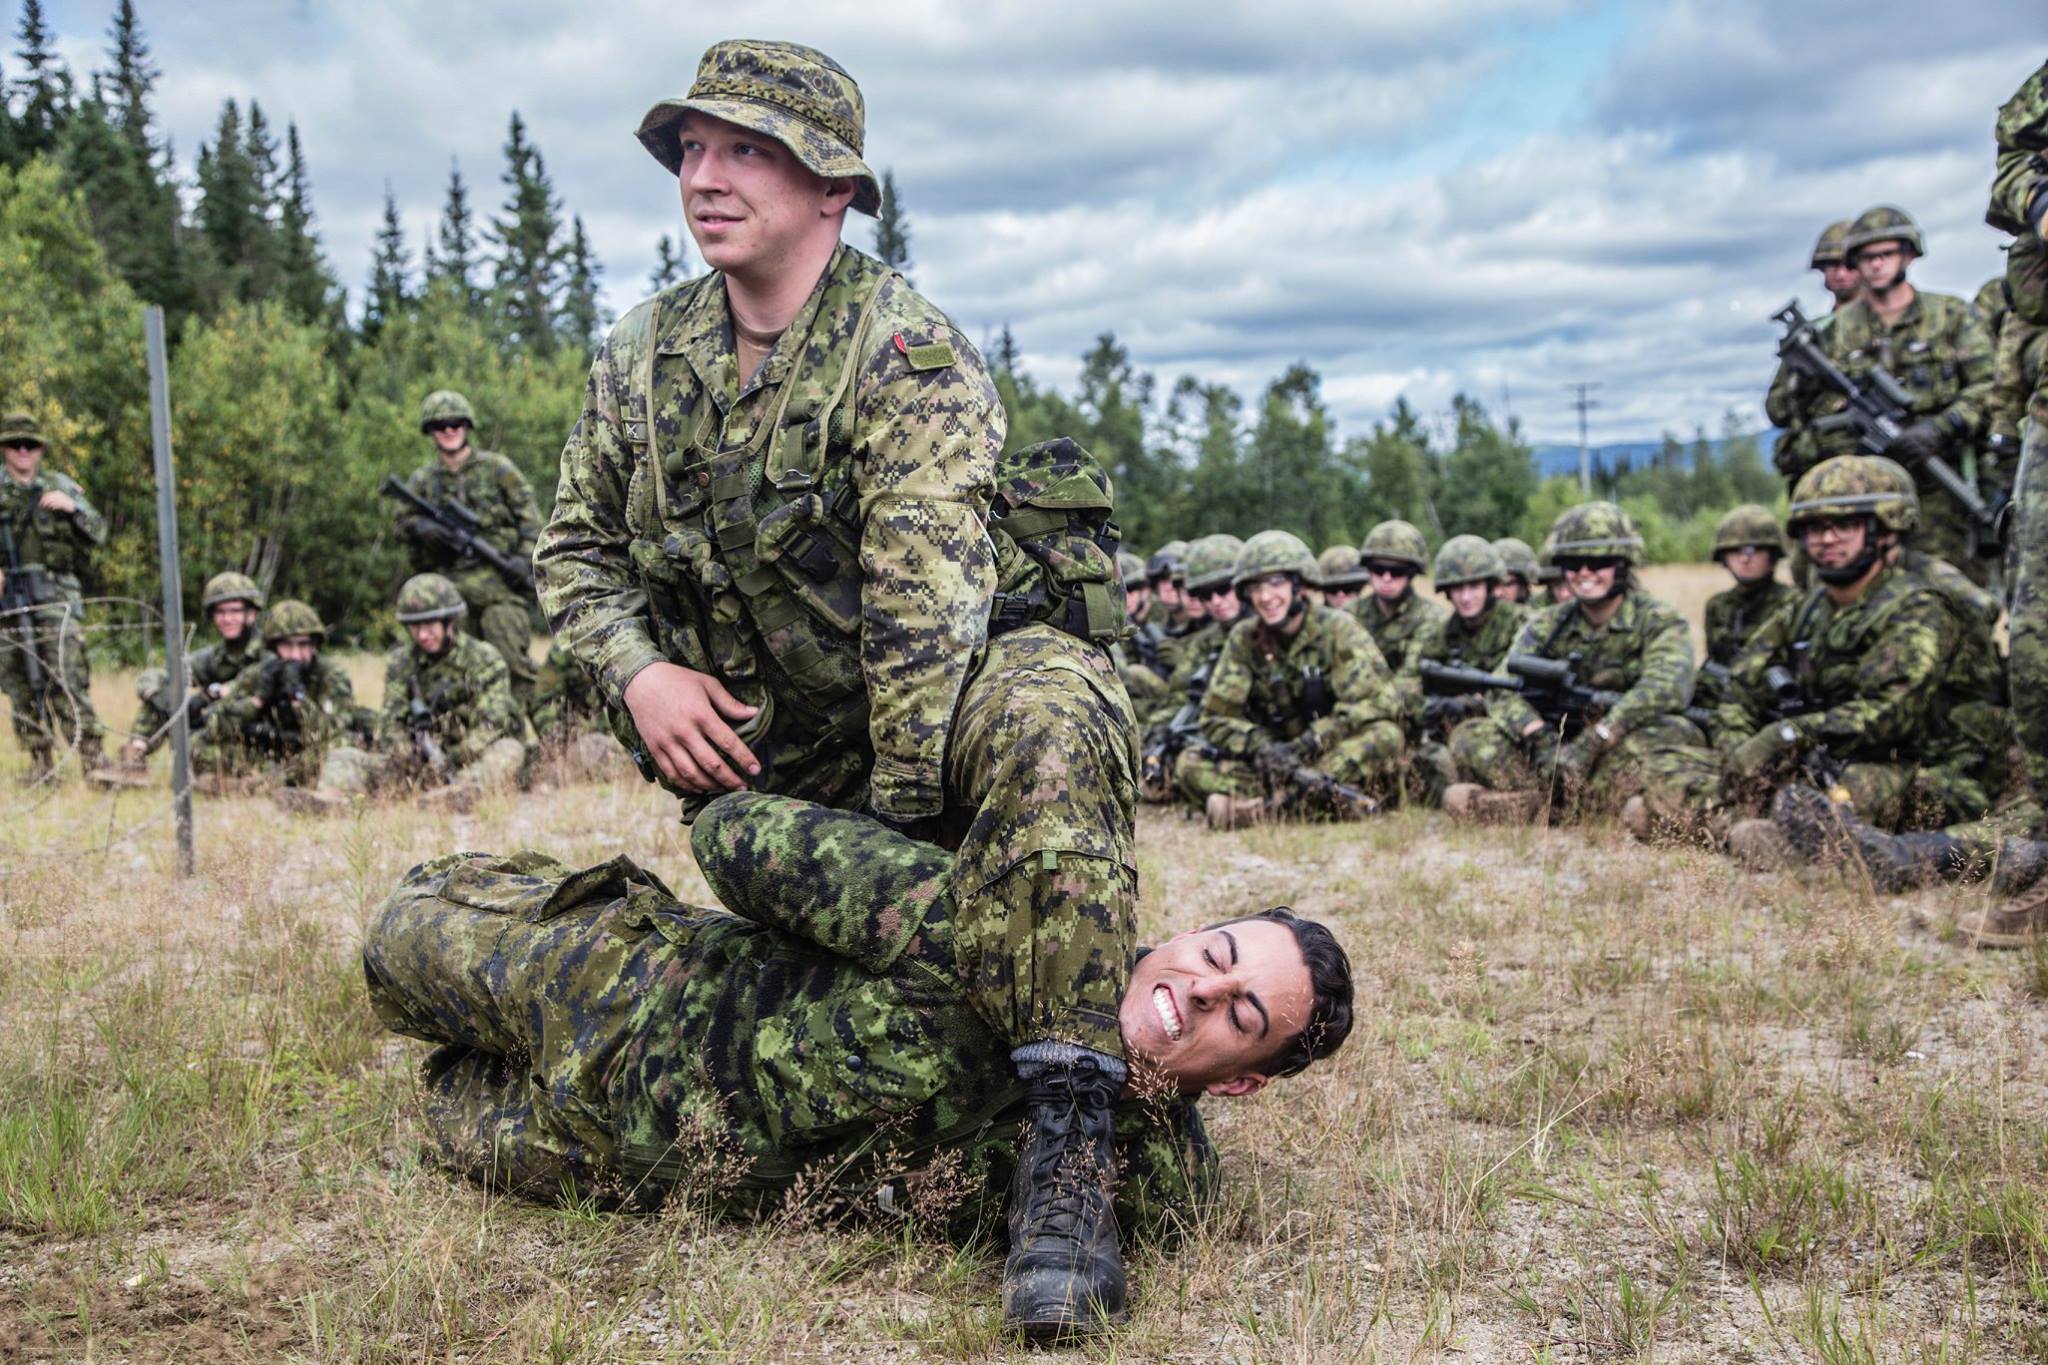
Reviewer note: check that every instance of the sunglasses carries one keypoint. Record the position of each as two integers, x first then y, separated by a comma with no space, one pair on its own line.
1589,565
1211,594
1381,570
21,445
456,425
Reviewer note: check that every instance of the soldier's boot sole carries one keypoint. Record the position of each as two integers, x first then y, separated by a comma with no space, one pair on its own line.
1760,846
2005,926
134,754
311,801
1458,798
1635,818
1234,812
1506,808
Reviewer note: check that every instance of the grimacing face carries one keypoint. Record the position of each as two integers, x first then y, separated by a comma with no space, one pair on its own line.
750,204
1211,1007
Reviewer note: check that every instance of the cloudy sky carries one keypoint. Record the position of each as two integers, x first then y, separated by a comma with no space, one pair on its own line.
1413,196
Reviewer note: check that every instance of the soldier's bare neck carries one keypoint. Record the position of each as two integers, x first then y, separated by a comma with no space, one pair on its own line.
452,460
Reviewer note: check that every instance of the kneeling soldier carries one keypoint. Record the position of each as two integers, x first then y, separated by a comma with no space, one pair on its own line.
233,602
1298,689
282,712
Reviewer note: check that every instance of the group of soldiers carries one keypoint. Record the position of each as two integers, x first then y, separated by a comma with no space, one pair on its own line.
464,705
879,661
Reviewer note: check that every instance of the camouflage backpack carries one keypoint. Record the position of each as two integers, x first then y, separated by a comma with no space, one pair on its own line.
1056,543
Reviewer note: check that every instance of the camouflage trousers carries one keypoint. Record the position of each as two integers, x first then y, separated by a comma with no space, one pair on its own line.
1431,771
1487,752
1369,760
63,710
1042,794
2026,568
360,772
1689,793
497,615
222,751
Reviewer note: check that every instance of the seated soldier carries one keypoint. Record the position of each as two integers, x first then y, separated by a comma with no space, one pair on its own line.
1748,544
232,602
849,1022
1484,620
1549,575
1392,555
1340,575
1869,687
449,722
1137,658
1519,571
1515,760
1174,723
1299,692
276,721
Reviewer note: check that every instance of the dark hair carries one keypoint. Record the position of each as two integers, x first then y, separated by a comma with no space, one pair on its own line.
1329,977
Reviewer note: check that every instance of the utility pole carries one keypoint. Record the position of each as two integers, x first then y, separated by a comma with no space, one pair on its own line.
1582,403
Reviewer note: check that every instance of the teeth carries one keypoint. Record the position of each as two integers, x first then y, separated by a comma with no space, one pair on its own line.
1169,1017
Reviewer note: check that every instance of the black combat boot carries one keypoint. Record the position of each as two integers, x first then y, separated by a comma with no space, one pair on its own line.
1065,1273
1826,832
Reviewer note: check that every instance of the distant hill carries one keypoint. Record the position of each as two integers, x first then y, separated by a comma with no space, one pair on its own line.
1563,460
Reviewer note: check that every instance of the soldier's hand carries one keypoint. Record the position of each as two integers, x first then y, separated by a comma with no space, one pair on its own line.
56,500
1925,437
685,718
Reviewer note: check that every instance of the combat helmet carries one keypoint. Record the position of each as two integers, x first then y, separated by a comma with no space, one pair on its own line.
1749,524
1856,485
1271,552
292,617
1829,250
1882,224
1594,530
1397,541
1166,560
1211,561
19,428
1515,558
1467,559
230,587
1546,559
429,597
445,405
1130,569
1339,567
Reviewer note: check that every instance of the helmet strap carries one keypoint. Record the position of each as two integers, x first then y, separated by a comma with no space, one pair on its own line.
1873,549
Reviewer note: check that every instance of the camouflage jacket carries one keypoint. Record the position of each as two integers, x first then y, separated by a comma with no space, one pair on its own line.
818,1036
468,689
1793,403
564,698
1876,673
1644,651
1396,634
1173,642
55,542
812,532
1481,643
253,710
1937,350
1199,654
1734,614
1327,678
491,486
2019,186
2018,363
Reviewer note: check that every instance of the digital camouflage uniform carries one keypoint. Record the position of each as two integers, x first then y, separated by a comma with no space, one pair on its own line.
210,668
48,550
492,488
1326,683
1643,652
847,1016
1733,614
1137,657
1208,565
1455,641
1395,628
277,718
1794,402
1520,568
565,701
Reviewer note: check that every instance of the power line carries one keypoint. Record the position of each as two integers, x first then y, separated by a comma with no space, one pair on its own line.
1582,403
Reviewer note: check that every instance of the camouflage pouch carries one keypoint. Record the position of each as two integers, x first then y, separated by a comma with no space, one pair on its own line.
1055,543
533,887
2026,278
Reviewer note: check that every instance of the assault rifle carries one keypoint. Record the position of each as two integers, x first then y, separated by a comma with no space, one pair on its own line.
459,526
1790,697
419,719
1551,686
1302,780
20,595
1880,413
283,692
1163,743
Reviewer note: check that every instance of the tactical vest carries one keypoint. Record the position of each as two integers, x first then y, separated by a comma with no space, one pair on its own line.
756,576
42,539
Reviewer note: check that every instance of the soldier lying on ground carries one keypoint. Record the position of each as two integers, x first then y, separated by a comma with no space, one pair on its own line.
846,1028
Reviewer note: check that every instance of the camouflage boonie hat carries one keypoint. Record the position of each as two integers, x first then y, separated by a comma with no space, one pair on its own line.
1749,524
1594,530
1829,250
445,405
794,94
17,427
429,597
292,617
1337,567
1882,224
1166,560
230,587
1517,558
1852,485
1395,541
1211,561
1273,552
1466,559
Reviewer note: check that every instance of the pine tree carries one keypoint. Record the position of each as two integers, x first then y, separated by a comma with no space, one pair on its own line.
385,295
265,258
134,78
582,314
671,264
528,278
305,284
892,229
1003,357
455,260
229,214
45,92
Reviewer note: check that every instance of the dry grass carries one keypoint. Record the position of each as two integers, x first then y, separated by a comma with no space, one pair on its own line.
1603,1102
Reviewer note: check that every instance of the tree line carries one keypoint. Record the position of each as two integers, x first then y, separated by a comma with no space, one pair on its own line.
289,406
